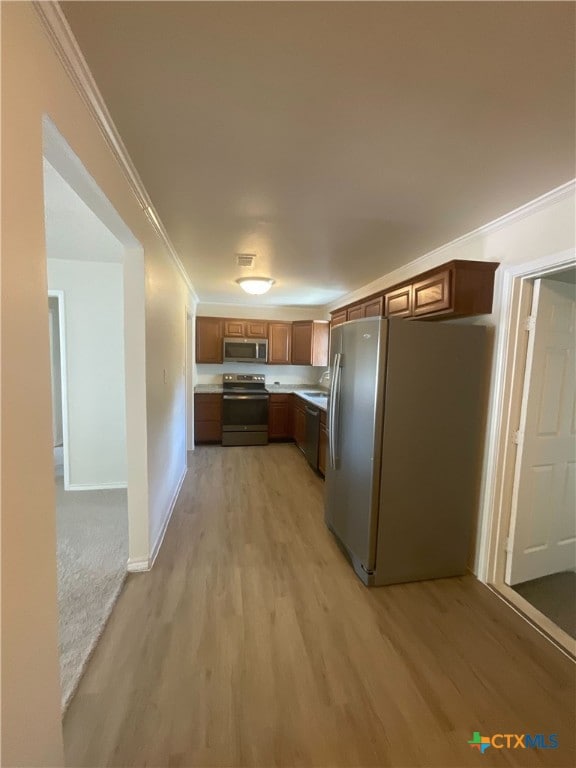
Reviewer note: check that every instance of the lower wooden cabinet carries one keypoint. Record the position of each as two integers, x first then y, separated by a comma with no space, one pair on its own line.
280,417
207,418
299,422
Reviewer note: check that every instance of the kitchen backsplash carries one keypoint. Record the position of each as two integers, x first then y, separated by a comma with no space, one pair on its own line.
284,374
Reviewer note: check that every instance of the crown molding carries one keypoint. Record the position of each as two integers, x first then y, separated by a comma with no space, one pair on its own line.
435,257
68,51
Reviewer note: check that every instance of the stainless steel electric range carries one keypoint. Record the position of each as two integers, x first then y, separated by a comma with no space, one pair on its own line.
244,409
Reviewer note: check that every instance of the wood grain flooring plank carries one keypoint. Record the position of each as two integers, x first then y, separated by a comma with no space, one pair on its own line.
252,643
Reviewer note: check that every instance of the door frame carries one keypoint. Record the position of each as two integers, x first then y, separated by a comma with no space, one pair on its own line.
511,353
63,159
59,296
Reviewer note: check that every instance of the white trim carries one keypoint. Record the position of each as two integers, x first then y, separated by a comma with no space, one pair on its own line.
68,51
59,296
61,156
97,487
498,424
537,620
138,565
162,532
437,256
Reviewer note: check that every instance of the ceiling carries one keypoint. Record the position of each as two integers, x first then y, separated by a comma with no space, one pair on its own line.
337,141
73,231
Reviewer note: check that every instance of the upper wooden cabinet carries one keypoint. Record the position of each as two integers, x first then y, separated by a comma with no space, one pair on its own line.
398,303
310,342
370,308
355,313
279,343
431,294
456,289
339,317
300,343
208,340
373,308
246,329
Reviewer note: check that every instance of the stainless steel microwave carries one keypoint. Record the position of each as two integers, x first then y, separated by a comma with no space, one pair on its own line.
245,350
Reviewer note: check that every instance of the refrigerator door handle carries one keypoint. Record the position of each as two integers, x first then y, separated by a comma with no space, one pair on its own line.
334,403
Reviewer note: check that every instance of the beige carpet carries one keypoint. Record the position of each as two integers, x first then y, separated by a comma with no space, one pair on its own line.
92,533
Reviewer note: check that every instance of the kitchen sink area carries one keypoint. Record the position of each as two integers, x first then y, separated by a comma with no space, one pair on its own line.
319,399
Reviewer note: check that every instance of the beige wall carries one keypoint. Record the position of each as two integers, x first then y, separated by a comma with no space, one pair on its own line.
33,84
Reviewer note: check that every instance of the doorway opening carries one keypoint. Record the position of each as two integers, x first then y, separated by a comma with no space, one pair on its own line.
532,552
95,273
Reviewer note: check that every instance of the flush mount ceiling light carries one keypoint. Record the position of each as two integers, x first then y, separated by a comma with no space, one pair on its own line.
255,285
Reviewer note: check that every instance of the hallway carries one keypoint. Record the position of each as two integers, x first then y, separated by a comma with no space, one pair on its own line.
252,643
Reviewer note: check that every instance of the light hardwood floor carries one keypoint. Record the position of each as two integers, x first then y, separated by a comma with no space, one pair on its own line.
252,643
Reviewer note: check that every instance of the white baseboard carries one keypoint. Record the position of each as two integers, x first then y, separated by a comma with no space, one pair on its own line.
161,534
137,565
99,487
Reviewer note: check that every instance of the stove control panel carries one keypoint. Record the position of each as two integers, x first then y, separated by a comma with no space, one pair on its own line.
246,378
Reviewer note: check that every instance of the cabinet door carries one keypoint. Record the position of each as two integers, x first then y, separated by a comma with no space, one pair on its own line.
299,425
398,303
256,329
207,418
302,343
279,343
432,294
337,318
208,340
279,426
373,308
355,313
234,328
208,407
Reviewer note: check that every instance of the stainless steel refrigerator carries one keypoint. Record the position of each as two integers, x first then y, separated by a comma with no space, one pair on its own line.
405,424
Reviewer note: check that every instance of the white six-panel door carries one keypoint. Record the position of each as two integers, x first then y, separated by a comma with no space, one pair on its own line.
542,537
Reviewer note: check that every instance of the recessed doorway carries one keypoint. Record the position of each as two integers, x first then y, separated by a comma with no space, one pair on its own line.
533,542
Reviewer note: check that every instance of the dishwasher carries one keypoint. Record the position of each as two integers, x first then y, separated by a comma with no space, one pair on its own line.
312,436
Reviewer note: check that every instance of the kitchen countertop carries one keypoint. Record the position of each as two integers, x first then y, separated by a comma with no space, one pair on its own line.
273,389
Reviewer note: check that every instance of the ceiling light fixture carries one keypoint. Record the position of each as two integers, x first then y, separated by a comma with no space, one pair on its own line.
255,285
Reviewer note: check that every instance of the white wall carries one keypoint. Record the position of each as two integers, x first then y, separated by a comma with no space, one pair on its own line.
95,381
275,374
55,372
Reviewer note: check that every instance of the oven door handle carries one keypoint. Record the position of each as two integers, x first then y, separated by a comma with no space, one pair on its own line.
245,397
